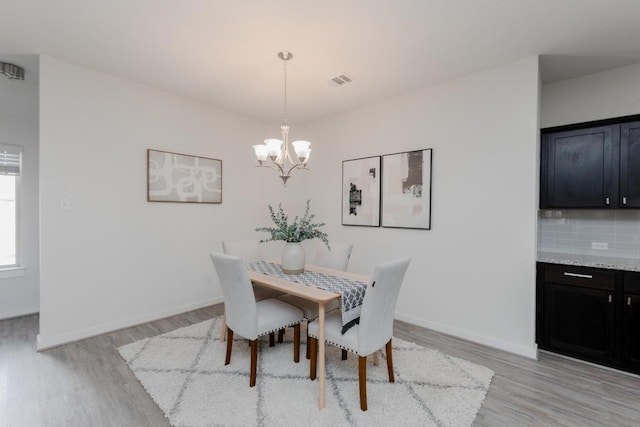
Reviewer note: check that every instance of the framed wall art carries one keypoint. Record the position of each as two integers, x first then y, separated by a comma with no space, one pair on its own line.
174,177
361,192
406,189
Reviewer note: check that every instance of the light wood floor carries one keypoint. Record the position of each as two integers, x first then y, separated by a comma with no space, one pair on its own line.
88,384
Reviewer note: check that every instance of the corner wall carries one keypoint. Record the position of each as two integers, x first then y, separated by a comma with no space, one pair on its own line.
473,274
114,259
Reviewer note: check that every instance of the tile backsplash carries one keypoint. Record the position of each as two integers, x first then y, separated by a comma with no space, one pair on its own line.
587,232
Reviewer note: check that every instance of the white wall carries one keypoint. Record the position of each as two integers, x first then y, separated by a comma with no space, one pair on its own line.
613,93
19,126
473,274
113,259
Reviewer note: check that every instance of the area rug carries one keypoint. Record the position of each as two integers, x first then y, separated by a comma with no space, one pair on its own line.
184,373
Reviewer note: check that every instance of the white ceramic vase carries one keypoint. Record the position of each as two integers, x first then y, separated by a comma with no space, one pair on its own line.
293,258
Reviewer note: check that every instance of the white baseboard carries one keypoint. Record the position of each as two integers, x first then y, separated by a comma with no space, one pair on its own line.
24,311
47,342
529,352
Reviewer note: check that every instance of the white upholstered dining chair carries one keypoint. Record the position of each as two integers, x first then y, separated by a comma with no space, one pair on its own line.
337,259
249,251
247,317
375,329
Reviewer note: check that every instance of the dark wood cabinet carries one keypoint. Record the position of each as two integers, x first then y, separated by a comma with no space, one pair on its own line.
591,166
589,313
631,321
630,165
579,168
579,321
579,312
631,343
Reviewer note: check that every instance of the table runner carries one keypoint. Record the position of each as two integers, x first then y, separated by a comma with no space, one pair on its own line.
351,291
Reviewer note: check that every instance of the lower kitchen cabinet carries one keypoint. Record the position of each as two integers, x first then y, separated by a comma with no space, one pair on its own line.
579,321
631,322
589,313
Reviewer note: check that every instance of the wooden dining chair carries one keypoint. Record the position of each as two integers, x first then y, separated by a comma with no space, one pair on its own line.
336,258
247,317
249,251
376,323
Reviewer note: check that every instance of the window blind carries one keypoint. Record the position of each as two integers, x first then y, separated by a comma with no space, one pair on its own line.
10,159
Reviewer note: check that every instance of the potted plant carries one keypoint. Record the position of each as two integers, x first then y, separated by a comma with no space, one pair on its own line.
300,229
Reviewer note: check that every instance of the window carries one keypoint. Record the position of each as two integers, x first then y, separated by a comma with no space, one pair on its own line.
10,162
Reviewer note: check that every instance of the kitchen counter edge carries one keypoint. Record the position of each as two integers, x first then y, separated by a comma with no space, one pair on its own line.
613,263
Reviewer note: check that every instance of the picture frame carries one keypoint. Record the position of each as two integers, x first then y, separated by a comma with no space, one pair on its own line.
183,178
406,189
361,192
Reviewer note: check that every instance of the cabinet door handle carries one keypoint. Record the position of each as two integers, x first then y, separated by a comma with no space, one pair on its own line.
628,300
610,299
582,276
606,200
624,200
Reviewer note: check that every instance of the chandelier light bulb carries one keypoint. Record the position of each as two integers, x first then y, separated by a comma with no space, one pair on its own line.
261,152
302,150
274,148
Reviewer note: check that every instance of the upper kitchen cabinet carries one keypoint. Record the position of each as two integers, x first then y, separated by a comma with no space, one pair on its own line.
591,166
630,165
579,168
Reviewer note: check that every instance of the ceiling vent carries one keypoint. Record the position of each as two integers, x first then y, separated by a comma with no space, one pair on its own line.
340,80
11,71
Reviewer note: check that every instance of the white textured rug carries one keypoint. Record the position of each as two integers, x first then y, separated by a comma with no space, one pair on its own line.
184,373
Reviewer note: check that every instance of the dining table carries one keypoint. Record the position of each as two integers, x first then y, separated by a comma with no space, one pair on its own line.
292,284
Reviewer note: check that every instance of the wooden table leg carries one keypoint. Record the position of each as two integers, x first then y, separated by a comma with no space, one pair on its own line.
321,368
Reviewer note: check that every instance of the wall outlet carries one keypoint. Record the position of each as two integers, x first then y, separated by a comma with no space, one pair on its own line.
600,245
64,204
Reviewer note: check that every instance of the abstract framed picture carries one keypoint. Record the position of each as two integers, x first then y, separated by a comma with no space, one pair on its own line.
361,192
406,189
174,177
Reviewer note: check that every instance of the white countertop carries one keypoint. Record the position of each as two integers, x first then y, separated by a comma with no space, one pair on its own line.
613,263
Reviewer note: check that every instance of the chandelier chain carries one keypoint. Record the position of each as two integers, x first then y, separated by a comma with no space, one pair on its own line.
284,113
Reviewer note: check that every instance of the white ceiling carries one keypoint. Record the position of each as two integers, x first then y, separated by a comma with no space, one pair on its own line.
223,52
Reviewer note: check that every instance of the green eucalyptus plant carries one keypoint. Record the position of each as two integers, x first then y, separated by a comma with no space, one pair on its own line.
300,229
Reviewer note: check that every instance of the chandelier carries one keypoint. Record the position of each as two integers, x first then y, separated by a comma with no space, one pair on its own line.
275,153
